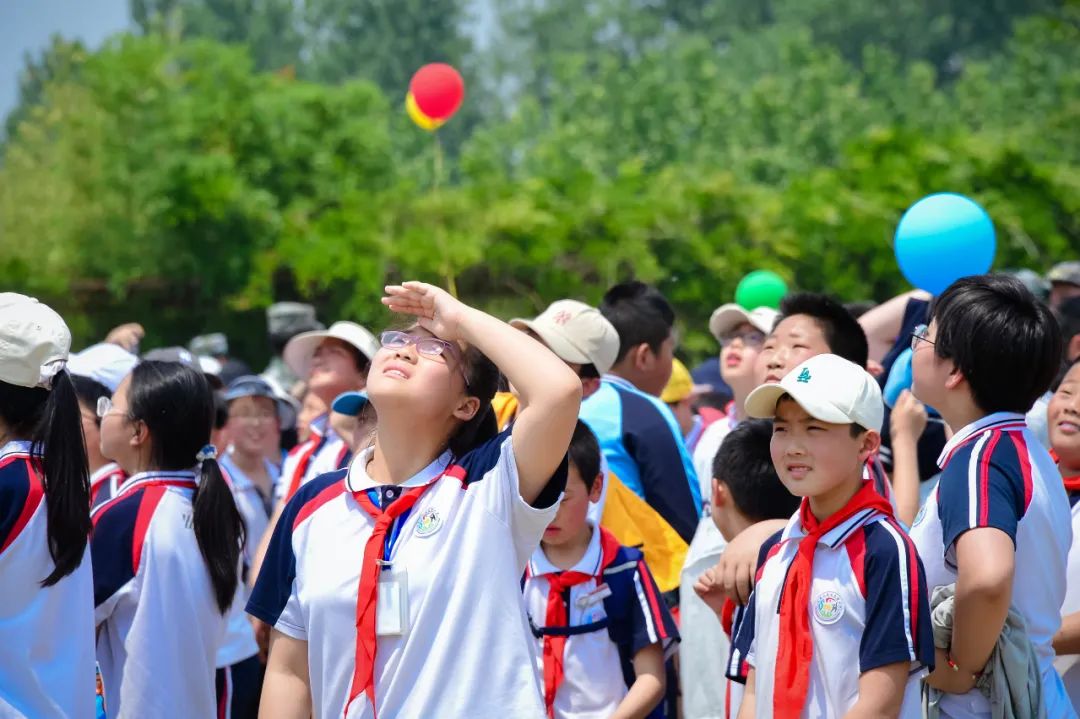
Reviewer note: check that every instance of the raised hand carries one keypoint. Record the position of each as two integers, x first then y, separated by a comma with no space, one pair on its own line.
436,310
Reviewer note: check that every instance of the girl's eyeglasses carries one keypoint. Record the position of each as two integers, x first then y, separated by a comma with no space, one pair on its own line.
430,347
104,408
919,335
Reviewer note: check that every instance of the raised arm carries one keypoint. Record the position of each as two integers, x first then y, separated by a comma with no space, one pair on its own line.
548,390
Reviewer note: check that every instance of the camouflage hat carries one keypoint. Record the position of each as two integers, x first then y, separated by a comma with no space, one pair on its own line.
291,318
1065,273
214,344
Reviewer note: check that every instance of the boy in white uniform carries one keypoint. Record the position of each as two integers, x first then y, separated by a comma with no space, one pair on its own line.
842,581
602,630
998,524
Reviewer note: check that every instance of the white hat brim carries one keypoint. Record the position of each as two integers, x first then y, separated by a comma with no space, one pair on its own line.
761,404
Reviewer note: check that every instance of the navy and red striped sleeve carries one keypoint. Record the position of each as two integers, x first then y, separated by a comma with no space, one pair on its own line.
743,629
119,532
274,586
21,494
987,483
651,620
890,576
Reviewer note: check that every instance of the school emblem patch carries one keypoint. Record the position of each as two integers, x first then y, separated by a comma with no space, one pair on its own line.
428,523
828,608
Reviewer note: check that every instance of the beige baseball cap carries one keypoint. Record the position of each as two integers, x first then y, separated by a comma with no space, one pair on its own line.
727,317
301,348
576,333
34,341
829,388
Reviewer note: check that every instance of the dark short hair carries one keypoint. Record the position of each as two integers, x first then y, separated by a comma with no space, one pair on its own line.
589,371
1004,341
744,464
843,333
585,454
640,314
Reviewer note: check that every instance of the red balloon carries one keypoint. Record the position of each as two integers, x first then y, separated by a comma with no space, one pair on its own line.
438,89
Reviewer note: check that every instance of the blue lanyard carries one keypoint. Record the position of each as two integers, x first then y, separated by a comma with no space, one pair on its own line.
395,528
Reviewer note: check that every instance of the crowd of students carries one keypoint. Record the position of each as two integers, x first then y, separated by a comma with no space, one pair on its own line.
851,511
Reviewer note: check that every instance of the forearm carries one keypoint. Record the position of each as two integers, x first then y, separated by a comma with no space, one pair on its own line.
539,377
980,610
642,698
905,477
748,707
1067,639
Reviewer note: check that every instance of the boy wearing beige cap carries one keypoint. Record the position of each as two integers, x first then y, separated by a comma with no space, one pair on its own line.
843,579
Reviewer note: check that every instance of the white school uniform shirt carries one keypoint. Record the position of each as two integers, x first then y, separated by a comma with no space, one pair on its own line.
239,642
159,624
707,447
868,608
594,682
467,650
995,473
46,633
1068,666
328,453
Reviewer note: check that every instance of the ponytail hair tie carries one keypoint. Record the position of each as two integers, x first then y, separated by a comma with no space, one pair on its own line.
207,452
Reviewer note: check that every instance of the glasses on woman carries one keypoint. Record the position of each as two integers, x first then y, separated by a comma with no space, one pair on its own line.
749,338
920,335
430,347
254,417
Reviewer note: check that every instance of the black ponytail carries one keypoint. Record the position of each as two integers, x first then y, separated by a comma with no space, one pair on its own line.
483,383
52,422
219,530
177,406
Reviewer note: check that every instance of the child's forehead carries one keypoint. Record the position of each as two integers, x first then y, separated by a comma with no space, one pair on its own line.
789,410
798,325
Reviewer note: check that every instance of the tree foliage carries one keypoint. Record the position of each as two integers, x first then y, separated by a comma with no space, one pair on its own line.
170,180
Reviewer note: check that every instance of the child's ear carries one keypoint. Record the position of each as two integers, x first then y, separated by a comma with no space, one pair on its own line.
589,386
719,494
467,408
643,356
955,378
597,488
871,443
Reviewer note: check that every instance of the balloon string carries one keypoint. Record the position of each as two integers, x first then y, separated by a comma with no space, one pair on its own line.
440,230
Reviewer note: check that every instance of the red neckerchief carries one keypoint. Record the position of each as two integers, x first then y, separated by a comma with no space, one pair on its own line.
796,650
314,445
1072,484
367,597
556,616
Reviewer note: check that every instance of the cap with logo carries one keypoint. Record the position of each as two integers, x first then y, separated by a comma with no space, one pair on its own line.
34,341
828,388
727,317
576,333
301,348
1067,273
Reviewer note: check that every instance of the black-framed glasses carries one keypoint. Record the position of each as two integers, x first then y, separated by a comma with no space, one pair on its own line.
920,335
430,347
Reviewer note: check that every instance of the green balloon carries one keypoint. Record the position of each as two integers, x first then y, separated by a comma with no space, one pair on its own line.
761,288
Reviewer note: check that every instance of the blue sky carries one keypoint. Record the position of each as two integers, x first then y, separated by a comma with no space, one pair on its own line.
26,25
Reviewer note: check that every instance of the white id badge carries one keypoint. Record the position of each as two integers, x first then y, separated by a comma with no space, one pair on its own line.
392,607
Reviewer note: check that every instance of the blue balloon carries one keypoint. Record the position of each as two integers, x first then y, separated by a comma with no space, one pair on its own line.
942,238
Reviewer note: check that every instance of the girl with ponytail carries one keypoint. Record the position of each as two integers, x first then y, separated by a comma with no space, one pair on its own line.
392,586
46,620
166,549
